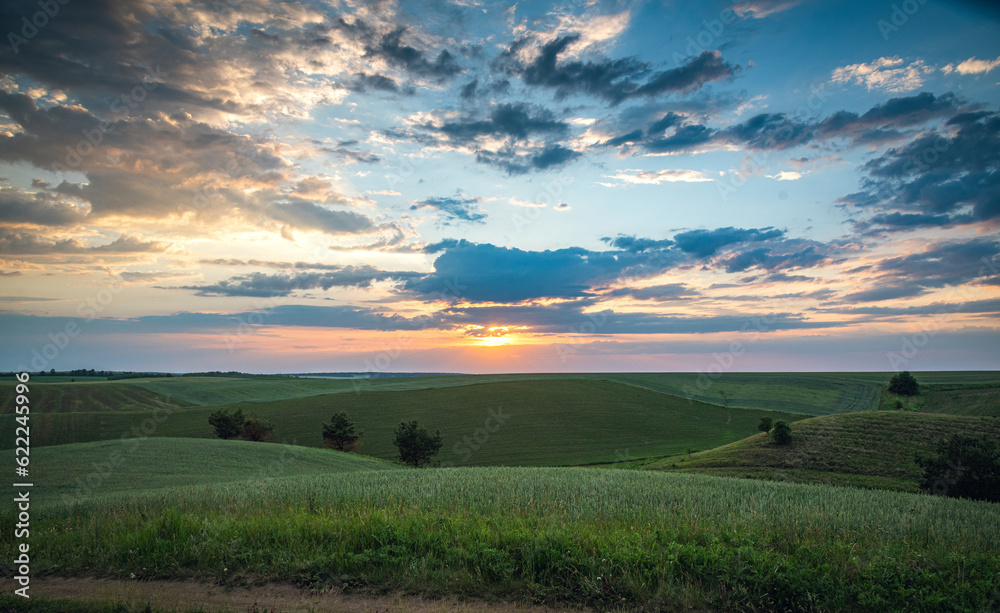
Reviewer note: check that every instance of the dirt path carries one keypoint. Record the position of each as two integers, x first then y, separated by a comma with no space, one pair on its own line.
171,596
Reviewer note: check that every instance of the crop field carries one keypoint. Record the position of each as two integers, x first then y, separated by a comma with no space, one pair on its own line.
557,536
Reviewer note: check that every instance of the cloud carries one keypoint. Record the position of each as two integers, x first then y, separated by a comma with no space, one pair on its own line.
890,74
308,216
956,175
613,80
454,208
941,264
705,243
655,177
656,293
883,123
786,175
41,208
759,9
485,272
261,285
516,121
26,243
973,66
391,48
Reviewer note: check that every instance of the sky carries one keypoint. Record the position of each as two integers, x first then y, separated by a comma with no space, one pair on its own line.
470,186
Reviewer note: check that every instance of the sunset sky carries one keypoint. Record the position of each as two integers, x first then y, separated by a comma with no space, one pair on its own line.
471,186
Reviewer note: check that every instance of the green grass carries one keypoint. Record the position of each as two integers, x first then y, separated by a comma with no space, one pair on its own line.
84,470
544,422
574,536
871,449
78,397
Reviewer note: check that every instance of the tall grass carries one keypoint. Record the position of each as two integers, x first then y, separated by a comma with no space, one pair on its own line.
578,536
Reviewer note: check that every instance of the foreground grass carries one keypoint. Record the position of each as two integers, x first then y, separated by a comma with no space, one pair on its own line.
871,449
575,536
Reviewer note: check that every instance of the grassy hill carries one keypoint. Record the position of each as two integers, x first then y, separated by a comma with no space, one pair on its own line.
93,397
870,449
527,423
84,470
573,536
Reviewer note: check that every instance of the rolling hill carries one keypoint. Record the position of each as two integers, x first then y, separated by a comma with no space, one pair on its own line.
870,449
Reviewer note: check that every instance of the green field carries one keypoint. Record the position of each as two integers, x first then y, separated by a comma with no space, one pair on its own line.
85,470
571,536
131,481
533,423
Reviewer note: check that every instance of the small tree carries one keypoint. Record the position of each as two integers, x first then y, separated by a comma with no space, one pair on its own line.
764,425
782,433
904,384
227,426
963,467
257,429
416,445
341,433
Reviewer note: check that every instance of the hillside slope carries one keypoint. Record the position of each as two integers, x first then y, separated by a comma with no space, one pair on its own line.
870,449
83,470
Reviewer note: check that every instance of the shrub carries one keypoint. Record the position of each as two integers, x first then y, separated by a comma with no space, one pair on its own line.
963,467
904,384
341,433
416,445
764,425
782,433
227,426
257,429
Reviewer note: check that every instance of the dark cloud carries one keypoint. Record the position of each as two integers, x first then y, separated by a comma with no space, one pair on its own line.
25,243
485,272
379,82
38,209
391,48
637,245
769,259
942,264
261,284
516,121
454,208
937,179
705,243
613,80
311,217
883,123
657,293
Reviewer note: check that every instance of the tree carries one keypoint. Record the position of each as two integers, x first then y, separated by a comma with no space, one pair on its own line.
963,467
904,384
764,425
227,426
341,433
782,433
416,445
257,429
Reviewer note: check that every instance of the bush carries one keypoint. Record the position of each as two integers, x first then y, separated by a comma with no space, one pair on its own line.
963,467
904,384
227,426
764,425
416,445
257,429
341,433
782,433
